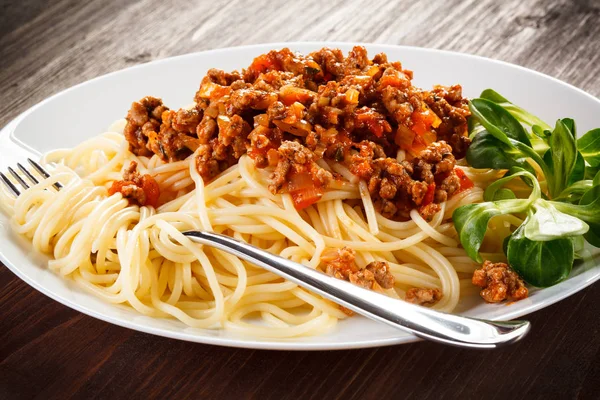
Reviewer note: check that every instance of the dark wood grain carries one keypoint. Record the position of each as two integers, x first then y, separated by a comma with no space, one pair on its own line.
50,351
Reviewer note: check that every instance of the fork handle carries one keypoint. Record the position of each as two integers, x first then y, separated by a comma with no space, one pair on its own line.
420,321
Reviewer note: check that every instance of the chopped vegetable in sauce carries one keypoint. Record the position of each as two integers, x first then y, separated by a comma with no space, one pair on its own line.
288,111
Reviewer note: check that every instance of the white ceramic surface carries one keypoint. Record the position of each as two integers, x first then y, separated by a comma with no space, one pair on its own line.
88,109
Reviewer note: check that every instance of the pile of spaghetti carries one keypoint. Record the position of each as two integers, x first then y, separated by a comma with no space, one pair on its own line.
338,163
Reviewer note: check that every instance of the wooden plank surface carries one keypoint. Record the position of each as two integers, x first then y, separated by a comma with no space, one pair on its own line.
50,351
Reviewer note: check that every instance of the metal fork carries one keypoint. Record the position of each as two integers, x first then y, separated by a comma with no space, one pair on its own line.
420,321
28,175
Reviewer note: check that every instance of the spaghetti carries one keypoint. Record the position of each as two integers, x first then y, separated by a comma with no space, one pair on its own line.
138,256
295,188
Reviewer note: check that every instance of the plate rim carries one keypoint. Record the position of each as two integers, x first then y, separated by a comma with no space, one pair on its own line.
271,343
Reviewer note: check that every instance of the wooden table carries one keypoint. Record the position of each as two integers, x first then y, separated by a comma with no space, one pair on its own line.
50,351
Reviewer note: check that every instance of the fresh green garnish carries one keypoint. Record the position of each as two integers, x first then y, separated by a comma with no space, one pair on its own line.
558,218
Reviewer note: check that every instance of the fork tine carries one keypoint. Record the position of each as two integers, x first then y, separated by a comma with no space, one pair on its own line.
10,185
27,174
43,172
18,178
39,168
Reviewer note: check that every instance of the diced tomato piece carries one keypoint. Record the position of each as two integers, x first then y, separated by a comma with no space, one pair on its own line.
219,91
363,169
303,189
306,197
264,63
117,186
418,144
374,121
294,113
273,157
262,120
404,137
290,94
465,182
429,137
375,127
394,80
151,189
300,181
424,120
149,186
419,128
223,122
352,96
428,199
374,70
207,87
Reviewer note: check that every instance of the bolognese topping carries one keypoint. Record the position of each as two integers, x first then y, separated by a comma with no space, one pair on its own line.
137,189
422,296
288,111
340,263
499,282
144,119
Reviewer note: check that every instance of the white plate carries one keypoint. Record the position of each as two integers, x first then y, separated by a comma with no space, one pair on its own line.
87,109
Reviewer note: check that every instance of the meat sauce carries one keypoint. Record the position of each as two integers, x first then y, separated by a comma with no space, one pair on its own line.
136,188
287,111
499,282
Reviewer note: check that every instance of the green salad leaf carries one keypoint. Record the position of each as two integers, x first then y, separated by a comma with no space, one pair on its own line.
498,121
596,180
589,146
471,221
540,263
561,157
520,114
547,223
486,151
561,214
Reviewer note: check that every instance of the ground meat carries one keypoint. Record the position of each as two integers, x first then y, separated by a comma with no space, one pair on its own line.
244,99
397,103
363,278
221,77
453,110
295,152
397,187
171,142
138,189
279,176
206,129
447,188
186,120
382,274
264,143
423,297
234,134
429,211
339,262
423,170
144,118
288,111
499,282
207,166
356,61
330,61
460,144
375,275
296,159
387,190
